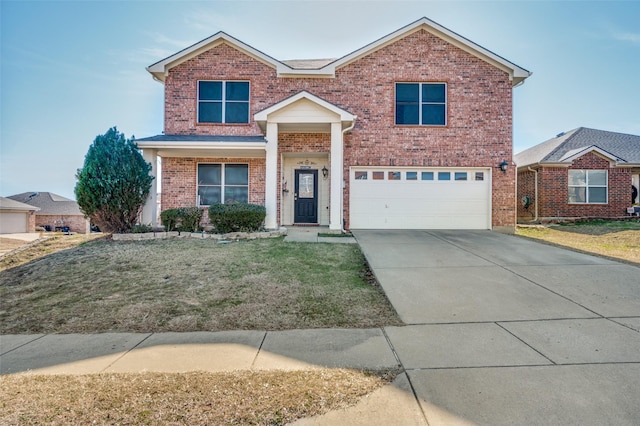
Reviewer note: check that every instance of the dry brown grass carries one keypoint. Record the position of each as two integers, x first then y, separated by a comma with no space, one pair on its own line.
52,243
243,398
616,240
191,285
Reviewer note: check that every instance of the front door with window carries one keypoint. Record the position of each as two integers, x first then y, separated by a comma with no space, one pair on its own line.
306,196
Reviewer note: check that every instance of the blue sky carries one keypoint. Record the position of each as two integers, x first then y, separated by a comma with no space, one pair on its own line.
70,70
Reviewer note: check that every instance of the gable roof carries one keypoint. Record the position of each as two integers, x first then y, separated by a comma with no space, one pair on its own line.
49,203
564,148
345,117
7,204
328,67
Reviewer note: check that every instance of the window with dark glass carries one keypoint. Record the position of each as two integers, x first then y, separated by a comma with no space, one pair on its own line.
421,104
223,101
223,183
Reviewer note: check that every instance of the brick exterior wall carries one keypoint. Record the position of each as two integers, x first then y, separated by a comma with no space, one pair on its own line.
553,191
478,132
526,188
180,186
31,225
76,223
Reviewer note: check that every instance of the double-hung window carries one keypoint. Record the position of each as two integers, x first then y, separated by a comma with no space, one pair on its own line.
421,104
223,183
588,186
223,101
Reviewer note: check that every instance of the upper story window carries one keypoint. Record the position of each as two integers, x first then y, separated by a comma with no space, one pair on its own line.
421,104
223,101
588,186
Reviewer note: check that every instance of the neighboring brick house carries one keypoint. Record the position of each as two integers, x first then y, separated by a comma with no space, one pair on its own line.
583,173
406,132
55,211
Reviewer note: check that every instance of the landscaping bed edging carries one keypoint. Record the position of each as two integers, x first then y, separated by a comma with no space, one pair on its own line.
231,236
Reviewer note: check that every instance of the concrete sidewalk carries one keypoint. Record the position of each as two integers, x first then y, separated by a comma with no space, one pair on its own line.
225,351
309,234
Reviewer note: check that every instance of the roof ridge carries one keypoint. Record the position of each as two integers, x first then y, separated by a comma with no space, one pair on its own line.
563,143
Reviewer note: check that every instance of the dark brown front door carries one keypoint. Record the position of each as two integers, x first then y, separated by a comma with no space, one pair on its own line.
305,203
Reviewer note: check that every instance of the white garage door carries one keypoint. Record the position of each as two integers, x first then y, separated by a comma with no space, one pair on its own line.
13,222
403,198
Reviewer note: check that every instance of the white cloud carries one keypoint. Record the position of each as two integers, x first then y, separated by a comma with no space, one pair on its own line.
631,37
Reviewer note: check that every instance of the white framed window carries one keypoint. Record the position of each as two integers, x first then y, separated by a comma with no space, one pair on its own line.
588,187
223,101
422,104
223,183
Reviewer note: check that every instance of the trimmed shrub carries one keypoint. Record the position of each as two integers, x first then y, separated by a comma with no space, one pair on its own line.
141,228
185,219
237,217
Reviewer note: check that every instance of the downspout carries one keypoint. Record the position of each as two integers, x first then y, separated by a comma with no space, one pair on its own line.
353,124
535,219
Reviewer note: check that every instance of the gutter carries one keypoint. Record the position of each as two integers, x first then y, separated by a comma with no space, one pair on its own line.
353,124
535,219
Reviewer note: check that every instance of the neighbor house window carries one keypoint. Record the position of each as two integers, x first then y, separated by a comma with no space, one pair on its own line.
588,186
223,101
223,183
421,104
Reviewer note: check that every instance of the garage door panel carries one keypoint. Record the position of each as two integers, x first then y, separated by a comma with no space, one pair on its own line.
13,222
416,204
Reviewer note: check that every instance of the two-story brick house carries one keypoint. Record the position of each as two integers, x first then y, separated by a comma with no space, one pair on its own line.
412,131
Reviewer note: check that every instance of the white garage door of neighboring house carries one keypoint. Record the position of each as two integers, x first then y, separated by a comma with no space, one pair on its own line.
425,198
13,222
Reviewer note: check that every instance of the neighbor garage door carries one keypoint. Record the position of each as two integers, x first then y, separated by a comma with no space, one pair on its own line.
433,198
13,222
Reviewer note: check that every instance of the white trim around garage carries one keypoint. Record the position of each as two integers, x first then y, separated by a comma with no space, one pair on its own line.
420,198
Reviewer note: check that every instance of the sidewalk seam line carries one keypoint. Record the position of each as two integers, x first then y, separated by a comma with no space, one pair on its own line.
526,344
404,371
255,358
22,345
126,352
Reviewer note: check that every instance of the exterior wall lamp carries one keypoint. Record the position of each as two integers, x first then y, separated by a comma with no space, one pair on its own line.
503,166
325,172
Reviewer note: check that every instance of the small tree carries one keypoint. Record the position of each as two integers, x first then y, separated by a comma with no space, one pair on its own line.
114,182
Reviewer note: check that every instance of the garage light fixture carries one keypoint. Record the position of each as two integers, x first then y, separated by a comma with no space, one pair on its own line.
503,166
325,172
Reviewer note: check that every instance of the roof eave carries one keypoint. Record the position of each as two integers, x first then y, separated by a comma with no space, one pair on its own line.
160,69
516,73
200,145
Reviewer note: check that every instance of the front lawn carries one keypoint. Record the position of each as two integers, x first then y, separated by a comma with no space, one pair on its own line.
185,284
619,240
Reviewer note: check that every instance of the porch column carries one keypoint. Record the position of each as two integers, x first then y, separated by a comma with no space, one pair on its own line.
271,178
335,213
150,208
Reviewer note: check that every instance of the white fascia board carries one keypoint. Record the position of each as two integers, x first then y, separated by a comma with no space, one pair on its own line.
264,114
202,145
516,73
160,69
572,155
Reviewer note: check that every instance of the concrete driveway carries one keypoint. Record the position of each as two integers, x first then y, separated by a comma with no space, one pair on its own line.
503,330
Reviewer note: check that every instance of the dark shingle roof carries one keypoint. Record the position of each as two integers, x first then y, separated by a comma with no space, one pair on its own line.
202,138
624,147
49,203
